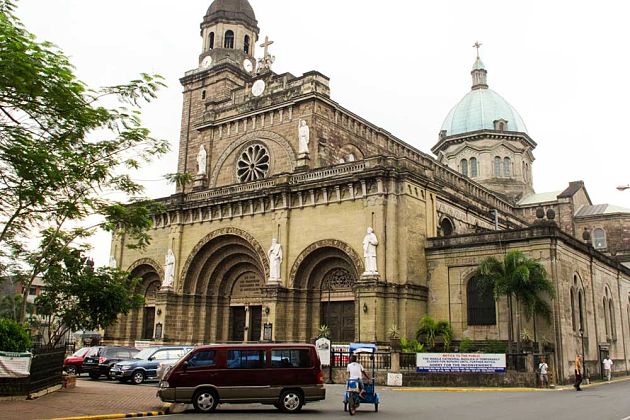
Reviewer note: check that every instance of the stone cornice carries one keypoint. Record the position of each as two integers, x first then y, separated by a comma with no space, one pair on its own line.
483,135
545,231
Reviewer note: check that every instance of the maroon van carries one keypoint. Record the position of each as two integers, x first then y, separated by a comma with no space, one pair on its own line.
285,375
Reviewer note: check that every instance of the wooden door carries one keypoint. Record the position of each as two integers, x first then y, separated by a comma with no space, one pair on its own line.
148,323
237,323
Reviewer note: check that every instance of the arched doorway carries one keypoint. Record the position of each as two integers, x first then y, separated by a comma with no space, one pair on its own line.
223,281
324,276
337,304
148,313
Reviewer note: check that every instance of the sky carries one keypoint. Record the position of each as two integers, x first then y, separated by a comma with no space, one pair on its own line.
400,64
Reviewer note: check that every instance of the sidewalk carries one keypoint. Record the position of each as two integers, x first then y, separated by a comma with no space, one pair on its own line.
88,398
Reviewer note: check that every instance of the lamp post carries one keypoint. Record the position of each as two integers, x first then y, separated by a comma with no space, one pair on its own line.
584,370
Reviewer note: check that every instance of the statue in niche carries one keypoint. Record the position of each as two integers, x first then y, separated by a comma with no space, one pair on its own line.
370,242
169,269
275,260
112,262
201,160
304,134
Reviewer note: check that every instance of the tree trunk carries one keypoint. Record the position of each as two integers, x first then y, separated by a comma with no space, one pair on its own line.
510,324
519,328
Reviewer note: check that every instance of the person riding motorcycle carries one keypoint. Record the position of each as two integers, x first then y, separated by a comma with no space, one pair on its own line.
356,372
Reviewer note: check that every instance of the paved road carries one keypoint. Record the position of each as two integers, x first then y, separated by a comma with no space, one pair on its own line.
602,402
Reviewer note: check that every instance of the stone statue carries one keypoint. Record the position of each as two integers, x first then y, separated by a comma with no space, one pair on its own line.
112,262
275,260
304,134
369,251
201,160
169,269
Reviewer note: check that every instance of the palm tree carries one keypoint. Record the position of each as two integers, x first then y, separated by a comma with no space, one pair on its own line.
430,329
521,278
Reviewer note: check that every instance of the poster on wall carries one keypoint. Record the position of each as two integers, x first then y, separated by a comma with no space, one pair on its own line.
323,350
15,365
460,363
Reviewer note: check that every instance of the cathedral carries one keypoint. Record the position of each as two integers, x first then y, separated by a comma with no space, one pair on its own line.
302,214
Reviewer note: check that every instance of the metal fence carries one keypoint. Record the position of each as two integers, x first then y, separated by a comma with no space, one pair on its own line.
516,361
380,360
46,371
408,361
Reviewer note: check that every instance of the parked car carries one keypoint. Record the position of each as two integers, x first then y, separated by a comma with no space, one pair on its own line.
106,357
144,365
285,375
165,365
73,364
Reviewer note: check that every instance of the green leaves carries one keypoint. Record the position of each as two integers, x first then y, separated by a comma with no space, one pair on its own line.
64,148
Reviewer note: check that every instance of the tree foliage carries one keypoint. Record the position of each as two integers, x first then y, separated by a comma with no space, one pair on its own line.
62,152
520,277
13,336
78,296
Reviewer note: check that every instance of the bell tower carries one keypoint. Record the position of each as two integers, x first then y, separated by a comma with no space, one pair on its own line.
229,32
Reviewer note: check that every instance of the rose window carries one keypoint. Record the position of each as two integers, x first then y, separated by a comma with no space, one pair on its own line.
253,163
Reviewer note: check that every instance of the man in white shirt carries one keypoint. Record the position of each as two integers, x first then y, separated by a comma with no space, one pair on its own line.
356,371
607,367
542,371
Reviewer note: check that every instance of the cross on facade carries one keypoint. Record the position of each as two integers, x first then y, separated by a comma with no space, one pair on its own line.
477,45
266,45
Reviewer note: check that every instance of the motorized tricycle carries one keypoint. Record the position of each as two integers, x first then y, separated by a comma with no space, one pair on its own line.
353,396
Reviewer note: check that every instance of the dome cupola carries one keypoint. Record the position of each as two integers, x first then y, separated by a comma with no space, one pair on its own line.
484,138
231,10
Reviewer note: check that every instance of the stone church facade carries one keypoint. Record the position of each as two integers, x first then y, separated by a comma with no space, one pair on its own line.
273,157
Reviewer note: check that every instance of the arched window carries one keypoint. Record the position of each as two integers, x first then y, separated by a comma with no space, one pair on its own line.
507,167
463,166
581,311
211,41
606,318
572,310
611,314
473,168
497,166
203,94
480,303
246,44
599,238
228,41
526,172
446,226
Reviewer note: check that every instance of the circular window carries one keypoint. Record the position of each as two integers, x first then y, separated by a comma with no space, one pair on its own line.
253,164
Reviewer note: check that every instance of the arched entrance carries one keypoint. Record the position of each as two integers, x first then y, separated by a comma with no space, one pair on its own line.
223,280
324,276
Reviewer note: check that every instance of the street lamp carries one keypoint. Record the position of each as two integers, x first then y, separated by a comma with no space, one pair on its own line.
584,370
623,187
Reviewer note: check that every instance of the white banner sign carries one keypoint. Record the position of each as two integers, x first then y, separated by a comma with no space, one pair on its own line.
460,362
15,365
323,350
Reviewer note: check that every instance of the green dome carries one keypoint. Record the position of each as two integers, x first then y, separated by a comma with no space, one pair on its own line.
478,110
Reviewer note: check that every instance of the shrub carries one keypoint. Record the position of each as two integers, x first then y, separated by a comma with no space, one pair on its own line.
13,336
494,346
465,345
411,346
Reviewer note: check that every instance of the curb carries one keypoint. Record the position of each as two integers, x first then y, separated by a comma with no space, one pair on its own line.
594,384
164,411
471,389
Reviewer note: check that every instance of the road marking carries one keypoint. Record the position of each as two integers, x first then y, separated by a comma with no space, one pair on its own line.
472,390
626,418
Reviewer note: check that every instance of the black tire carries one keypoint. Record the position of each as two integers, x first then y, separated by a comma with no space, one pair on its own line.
138,377
110,376
352,405
376,407
291,401
72,370
94,375
205,401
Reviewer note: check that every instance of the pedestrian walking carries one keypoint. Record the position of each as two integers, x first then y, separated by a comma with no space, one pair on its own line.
542,372
578,373
607,367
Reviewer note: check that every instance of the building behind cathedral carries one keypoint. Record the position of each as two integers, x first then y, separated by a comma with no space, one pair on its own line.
274,157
